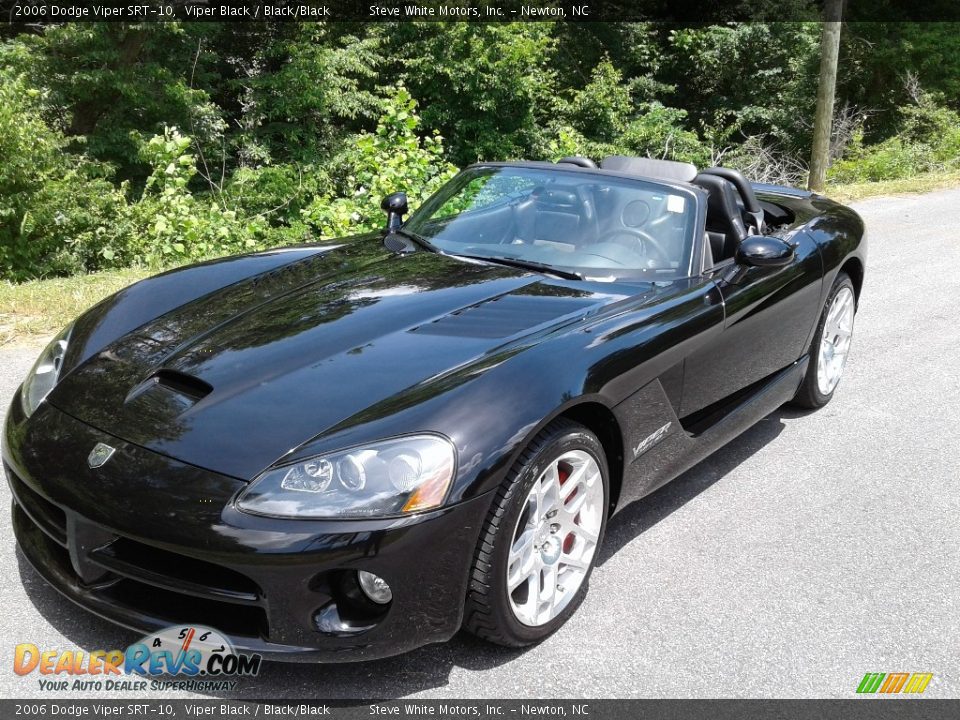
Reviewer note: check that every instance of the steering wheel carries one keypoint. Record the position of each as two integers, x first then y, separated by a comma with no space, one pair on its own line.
645,238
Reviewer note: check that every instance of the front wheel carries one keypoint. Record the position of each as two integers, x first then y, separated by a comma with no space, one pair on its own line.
831,345
539,543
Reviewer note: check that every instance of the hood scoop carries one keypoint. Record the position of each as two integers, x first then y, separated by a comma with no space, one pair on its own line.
170,390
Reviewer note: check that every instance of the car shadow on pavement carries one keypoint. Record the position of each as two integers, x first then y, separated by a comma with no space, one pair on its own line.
642,515
429,667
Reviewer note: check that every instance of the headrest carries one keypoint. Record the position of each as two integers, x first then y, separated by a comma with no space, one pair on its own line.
650,167
558,197
723,213
717,187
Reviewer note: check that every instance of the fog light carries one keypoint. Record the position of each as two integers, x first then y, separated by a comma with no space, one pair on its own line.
374,587
327,620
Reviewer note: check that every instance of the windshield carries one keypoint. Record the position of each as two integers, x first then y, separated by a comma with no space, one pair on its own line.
598,226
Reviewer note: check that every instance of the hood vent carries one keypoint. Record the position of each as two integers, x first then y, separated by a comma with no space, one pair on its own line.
502,316
192,387
171,388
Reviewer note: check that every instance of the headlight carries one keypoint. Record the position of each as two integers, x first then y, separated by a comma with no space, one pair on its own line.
383,479
46,371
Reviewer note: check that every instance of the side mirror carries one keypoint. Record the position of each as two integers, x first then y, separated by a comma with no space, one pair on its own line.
395,206
763,251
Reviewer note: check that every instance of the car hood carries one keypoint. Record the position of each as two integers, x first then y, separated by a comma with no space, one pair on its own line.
237,379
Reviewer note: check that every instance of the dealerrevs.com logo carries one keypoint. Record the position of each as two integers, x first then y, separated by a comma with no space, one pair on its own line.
202,655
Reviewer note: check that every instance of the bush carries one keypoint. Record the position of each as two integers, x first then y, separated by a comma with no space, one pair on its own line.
61,214
659,132
604,119
376,164
58,211
173,224
928,141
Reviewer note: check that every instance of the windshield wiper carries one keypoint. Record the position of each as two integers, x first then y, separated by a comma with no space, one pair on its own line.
525,264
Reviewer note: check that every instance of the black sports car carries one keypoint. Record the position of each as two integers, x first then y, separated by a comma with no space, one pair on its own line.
345,451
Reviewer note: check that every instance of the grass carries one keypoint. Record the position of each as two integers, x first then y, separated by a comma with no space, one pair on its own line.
904,186
40,308
37,309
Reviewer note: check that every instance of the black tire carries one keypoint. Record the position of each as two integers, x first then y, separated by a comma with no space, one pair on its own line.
488,613
809,395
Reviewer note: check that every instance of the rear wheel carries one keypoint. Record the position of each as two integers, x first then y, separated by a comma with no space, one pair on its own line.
831,345
539,543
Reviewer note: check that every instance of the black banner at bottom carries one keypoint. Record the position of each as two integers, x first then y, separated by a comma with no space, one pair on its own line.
853,709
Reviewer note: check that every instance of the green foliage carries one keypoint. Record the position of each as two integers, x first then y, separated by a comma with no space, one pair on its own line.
660,132
173,223
377,164
489,86
603,108
928,141
884,63
305,91
115,83
130,144
604,118
56,208
759,78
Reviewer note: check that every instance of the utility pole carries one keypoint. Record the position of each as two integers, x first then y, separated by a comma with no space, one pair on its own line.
823,119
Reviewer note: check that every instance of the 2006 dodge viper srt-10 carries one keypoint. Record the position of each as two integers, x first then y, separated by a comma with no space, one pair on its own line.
346,450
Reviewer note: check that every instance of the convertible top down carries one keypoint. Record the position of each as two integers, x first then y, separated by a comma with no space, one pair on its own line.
345,450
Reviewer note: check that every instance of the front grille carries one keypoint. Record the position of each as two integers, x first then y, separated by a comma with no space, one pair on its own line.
47,516
141,578
237,620
175,572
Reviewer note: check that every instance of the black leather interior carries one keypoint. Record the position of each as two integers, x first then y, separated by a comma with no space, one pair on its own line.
716,242
724,217
754,214
556,214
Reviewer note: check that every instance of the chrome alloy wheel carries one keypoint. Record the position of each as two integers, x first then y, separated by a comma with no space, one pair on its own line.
555,538
835,340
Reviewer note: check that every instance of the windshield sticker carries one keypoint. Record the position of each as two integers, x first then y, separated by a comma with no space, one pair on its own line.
675,203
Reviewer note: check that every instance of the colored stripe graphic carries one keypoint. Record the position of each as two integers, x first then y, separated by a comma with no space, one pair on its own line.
870,682
918,682
893,683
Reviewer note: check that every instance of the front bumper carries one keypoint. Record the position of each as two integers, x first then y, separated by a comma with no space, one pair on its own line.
147,542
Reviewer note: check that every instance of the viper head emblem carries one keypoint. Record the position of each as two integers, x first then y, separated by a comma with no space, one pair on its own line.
99,456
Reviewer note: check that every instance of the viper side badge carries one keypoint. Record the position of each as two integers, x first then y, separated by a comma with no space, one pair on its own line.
651,440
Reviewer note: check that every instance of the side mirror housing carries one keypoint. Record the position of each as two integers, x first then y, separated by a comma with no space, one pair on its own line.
764,251
395,206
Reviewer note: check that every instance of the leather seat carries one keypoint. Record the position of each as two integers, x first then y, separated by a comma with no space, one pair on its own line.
725,226
715,242
556,214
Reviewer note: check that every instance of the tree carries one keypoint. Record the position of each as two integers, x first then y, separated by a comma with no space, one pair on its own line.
823,119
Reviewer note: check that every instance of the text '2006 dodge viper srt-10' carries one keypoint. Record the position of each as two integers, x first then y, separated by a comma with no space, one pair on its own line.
346,450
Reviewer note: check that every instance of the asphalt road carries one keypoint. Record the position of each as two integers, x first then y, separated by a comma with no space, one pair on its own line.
813,549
